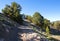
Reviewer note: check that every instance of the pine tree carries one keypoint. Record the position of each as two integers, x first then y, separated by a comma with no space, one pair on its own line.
13,12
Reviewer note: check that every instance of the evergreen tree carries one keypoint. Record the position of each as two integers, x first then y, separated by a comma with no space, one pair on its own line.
38,19
47,31
13,12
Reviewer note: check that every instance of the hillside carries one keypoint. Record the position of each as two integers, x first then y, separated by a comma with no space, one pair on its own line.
16,32
12,31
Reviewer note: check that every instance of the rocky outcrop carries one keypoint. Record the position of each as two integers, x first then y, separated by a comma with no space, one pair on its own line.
30,37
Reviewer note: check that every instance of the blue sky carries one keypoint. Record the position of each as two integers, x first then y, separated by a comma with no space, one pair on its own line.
50,9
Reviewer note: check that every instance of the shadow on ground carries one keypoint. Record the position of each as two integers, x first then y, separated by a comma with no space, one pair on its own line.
9,31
